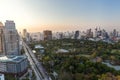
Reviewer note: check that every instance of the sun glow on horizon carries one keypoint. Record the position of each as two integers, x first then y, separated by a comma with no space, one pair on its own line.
15,10
60,15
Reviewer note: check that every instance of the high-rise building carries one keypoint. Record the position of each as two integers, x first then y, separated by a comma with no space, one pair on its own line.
26,36
89,33
24,33
60,35
11,39
36,36
104,34
98,32
115,33
1,39
47,35
57,35
76,34
10,59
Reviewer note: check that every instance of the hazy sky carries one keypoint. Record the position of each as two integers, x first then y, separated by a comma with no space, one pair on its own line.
61,15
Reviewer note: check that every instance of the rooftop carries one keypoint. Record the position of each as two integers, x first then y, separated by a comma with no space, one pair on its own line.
62,51
11,58
39,47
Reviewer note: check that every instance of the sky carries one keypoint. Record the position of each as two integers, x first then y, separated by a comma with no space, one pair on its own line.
61,15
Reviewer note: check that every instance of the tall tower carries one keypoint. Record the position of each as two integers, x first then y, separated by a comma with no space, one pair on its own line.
77,34
24,33
2,39
47,35
11,38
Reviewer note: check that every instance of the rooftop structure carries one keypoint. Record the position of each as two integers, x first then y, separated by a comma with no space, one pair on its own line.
62,51
10,25
12,58
39,47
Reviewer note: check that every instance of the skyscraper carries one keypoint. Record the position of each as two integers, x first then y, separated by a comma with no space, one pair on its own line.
76,34
89,33
10,59
24,33
11,38
47,35
1,39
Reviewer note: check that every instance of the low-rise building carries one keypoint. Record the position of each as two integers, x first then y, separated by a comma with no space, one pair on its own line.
40,47
62,51
16,65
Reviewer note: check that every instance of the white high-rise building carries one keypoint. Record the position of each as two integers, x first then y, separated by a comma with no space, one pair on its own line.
11,38
37,36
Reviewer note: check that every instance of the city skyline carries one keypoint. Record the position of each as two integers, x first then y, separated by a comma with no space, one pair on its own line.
61,15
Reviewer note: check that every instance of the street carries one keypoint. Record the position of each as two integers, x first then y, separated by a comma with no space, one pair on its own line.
35,64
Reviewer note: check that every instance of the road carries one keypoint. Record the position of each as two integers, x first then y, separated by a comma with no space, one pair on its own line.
35,64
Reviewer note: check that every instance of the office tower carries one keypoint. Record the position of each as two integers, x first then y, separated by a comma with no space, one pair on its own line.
47,35
24,33
104,34
76,34
89,33
98,32
61,35
36,36
1,39
10,60
26,36
54,36
115,33
11,39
